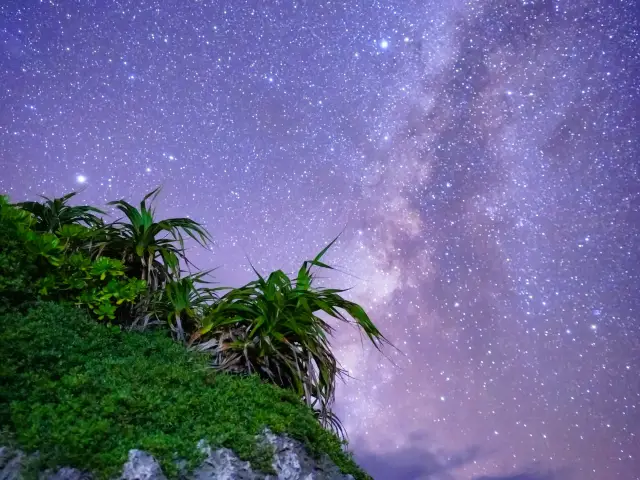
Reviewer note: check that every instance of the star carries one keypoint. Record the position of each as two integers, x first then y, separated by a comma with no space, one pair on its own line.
480,162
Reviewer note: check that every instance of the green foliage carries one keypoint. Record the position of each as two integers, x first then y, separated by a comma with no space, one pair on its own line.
272,327
54,213
76,237
128,272
84,394
56,268
100,285
17,266
152,248
182,303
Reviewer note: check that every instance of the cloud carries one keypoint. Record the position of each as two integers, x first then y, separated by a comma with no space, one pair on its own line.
530,475
521,476
414,463
411,462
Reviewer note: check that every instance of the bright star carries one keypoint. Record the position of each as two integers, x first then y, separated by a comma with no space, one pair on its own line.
384,43
81,179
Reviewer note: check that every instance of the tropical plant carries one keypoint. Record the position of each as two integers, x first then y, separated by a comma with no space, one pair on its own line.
45,246
19,219
41,250
52,267
101,284
17,265
54,213
181,303
151,249
76,237
273,327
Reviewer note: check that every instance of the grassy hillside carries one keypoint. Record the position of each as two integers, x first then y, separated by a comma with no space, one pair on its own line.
84,393
99,325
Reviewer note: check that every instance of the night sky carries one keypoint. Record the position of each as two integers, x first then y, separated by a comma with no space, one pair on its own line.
482,158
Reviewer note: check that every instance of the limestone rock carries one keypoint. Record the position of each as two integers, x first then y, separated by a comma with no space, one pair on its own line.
290,461
223,464
10,464
67,473
141,466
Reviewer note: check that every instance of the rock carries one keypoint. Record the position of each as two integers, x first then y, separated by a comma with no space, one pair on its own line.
67,473
10,464
223,464
290,461
141,466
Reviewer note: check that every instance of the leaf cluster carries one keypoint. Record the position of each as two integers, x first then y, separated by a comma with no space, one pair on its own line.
274,327
56,266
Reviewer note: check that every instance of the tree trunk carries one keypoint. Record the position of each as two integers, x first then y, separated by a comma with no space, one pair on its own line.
179,329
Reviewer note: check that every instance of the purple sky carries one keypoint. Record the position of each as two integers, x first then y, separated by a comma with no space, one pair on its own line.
482,157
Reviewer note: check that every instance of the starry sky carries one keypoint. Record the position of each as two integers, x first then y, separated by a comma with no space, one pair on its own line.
479,156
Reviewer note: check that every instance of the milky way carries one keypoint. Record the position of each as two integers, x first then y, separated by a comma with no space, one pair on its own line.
481,158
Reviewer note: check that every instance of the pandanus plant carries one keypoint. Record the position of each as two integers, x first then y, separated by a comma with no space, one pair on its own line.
151,248
181,303
54,213
272,326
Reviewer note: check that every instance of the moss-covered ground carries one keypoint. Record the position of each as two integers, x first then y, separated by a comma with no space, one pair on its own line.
83,394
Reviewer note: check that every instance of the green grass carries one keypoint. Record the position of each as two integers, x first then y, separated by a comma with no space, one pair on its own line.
84,394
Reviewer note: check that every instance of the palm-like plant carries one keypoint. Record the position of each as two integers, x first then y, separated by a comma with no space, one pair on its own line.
181,304
54,213
152,249
272,327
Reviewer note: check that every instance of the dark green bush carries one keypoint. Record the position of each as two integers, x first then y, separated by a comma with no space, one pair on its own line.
84,394
17,267
43,264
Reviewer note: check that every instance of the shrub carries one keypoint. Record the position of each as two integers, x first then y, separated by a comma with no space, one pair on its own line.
52,266
17,266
